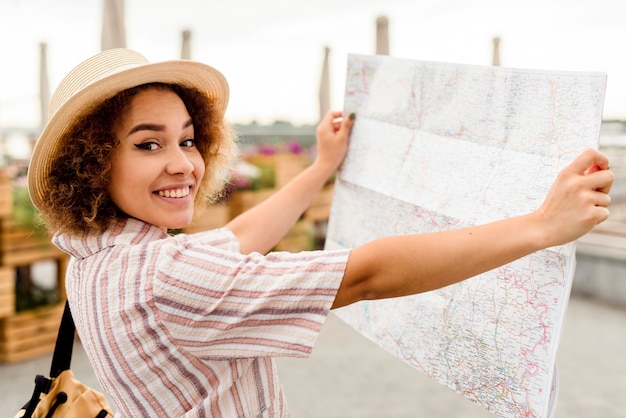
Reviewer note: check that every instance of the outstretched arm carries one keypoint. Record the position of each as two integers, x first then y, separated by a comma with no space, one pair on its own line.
261,227
410,264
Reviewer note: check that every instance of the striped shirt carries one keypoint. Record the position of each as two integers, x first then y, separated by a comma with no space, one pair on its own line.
185,325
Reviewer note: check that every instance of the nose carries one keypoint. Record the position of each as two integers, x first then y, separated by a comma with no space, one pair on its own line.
178,162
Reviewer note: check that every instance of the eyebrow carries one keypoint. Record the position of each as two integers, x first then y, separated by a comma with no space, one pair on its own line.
154,127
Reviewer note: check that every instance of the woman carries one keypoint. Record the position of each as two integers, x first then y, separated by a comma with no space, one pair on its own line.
190,324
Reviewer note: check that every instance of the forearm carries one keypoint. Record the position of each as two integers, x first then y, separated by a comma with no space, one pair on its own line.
405,265
261,227
410,264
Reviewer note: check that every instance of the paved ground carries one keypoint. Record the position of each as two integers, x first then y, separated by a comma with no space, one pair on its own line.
349,377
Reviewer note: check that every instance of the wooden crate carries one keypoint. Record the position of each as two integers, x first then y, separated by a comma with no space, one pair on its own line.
319,210
29,334
21,246
289,166
299,238
6,195
241,201
7,291
286,166
212,217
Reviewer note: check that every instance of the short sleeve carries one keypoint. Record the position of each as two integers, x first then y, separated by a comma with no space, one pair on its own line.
221,304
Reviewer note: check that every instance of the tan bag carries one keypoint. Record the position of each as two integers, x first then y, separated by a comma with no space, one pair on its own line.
62,395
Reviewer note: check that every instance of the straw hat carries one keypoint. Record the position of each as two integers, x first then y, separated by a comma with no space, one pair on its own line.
101,77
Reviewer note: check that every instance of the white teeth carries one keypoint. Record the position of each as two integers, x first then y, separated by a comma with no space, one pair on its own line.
174,192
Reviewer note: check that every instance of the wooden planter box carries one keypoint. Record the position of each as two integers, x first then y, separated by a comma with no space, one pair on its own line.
320,207
212,217
241,201
6,195
19,246
7,291
299,238
286,166
29,334
289,166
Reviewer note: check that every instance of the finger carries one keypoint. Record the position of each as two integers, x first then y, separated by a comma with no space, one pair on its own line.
589,161
328,122
602,180
334,116
602,199
593,169
601,214
335,120
347,123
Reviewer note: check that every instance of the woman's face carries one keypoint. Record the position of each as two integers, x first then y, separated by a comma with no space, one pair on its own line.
156,167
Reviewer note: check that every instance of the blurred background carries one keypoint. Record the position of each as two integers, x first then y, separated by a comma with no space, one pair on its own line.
285,61
272,51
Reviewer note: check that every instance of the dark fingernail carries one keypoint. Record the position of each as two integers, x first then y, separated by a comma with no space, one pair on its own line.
352,116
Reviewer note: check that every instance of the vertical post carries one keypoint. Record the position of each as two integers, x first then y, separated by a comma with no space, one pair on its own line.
496,51
113,28
382,35
324,93
44,89
185,52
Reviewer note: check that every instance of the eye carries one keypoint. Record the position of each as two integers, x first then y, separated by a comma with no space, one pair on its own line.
190,142
147,146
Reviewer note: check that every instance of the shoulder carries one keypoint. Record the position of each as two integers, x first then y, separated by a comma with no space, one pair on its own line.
221,238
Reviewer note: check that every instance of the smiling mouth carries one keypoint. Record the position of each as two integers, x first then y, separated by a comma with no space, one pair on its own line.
175,193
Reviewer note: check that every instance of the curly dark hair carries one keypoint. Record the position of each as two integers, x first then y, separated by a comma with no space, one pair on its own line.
79,201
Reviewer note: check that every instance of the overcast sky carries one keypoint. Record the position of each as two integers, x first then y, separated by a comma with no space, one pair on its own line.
271,51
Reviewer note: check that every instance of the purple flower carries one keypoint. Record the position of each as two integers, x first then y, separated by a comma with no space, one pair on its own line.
267,149
293,146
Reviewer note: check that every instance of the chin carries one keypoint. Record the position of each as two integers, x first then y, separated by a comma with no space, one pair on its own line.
179,225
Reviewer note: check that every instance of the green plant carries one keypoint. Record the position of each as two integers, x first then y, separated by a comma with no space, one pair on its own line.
24,214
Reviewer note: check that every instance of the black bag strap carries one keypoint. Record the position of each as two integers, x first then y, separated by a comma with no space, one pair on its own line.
42,385
62,357
61,360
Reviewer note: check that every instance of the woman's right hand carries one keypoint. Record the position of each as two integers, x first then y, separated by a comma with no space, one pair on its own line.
578,199
332,139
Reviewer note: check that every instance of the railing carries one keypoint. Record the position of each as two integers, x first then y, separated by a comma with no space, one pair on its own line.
601,263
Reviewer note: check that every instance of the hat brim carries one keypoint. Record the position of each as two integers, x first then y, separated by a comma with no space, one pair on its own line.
202,77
